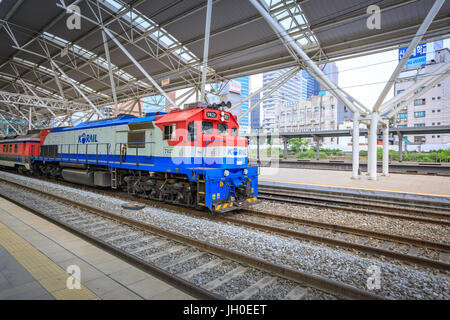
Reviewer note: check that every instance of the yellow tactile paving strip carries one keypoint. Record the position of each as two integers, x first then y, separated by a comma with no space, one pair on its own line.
51,277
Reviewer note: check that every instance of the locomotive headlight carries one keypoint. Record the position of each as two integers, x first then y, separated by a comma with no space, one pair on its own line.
222,119
222,113
245,171
226,173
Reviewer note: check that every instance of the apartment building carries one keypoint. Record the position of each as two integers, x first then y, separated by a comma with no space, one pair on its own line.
430,109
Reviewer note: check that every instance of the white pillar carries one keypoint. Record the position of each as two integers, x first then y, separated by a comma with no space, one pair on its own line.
372,161
386,150
355,146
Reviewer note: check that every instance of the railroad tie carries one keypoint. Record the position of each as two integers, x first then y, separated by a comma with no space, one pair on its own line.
413,251
133,242
189,274
225,278
444,257
153,245
296,294
254,288
183,259
158,255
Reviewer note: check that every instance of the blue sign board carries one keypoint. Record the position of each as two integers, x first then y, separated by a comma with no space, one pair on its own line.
418,57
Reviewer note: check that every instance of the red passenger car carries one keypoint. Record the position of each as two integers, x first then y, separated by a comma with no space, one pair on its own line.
16,152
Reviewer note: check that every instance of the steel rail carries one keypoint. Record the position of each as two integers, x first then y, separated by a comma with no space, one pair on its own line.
302,235
329,203
318,282
420,207
356,231
172,279
345,244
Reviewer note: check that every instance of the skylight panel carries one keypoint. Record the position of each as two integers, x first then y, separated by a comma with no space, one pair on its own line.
143,23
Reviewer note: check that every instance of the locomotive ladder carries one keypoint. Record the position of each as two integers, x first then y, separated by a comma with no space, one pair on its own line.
114,178
201,190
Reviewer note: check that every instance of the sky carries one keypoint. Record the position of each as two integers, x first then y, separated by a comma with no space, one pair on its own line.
363,78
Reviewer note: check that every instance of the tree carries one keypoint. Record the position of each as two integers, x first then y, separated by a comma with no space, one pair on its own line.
391,122
297,144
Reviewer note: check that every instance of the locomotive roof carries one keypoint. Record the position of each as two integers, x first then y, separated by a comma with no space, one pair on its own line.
121,120
24,138
177,116
163,117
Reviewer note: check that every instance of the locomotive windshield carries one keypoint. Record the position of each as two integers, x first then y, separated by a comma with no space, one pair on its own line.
222,128
207,127
192,132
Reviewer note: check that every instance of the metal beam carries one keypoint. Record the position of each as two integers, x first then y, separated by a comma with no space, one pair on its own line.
111,77
285,79
293,71
429,86
412,46
12,126
155,84
422,83
206,49
78,89
315,72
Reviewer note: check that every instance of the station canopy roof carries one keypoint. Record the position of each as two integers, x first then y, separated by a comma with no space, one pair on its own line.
166,38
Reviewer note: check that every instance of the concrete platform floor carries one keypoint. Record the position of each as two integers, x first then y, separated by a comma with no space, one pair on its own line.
35,255
415,184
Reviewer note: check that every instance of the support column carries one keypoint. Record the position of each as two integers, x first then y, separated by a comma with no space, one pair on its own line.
257,150
317,148
372,161
386,150
355,146
285,150
400,147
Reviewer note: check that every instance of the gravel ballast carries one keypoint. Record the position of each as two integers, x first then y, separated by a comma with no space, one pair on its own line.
398,280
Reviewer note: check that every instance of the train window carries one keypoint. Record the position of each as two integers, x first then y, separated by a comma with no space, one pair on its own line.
207,127
4,149
10,148
234,132
222,128
192,131
15,148
170,132
136,139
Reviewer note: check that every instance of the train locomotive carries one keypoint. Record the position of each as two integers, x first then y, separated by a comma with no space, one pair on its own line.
191,157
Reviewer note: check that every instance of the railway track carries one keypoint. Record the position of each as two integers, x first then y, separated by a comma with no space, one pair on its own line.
411,250
201,269
393,208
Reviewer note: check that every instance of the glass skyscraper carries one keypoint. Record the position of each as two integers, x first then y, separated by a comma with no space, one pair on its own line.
300,86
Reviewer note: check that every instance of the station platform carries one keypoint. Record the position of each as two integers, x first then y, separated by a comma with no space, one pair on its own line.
426,168
35,254
417,187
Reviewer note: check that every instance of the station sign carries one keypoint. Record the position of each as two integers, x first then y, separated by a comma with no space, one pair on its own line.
234,86
418,57
165,82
